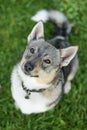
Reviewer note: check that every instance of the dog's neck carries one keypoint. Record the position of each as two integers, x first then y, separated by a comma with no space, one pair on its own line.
58,78
29,91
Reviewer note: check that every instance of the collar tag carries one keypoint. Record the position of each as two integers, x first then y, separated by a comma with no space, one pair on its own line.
27,97
28,93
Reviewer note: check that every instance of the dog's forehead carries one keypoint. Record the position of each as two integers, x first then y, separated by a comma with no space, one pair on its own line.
43,46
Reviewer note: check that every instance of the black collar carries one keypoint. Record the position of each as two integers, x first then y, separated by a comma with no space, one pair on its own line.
28,91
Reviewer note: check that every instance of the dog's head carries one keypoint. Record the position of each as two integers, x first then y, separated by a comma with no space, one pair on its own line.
42,60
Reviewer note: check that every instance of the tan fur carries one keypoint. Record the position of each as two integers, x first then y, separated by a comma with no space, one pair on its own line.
45,77
50,93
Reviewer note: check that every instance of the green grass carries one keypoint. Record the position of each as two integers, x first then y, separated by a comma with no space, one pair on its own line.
15,25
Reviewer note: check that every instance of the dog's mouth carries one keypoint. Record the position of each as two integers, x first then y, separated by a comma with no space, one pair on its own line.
36,76
29,74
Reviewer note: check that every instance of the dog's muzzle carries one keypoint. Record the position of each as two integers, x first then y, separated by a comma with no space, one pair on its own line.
28,68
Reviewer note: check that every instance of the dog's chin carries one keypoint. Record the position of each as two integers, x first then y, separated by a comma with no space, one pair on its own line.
30,75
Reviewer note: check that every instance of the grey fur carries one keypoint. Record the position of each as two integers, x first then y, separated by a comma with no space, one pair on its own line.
54,62
54,17
43,49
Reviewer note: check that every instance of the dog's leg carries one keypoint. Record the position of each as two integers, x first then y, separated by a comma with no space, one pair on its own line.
67,86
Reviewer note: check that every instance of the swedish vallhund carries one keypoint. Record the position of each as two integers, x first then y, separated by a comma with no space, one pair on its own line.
44,73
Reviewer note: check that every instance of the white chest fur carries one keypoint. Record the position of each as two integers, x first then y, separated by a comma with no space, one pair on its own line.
37,103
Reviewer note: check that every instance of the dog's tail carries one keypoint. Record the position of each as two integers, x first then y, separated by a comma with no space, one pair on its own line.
56,17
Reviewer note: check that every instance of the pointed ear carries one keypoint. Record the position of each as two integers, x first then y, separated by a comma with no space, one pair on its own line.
68,54
37,32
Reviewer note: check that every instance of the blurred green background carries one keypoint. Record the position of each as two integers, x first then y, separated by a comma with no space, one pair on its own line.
15,25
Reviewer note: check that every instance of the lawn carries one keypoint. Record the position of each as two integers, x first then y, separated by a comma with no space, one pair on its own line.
15,25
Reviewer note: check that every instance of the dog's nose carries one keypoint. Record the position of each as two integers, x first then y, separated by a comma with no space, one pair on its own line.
28,67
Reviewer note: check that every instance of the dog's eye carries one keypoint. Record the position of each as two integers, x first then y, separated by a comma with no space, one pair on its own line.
32,50
47,61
